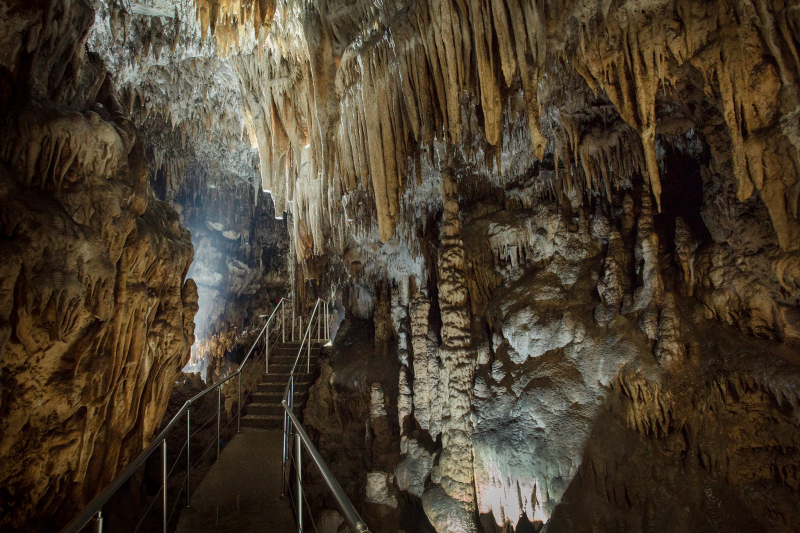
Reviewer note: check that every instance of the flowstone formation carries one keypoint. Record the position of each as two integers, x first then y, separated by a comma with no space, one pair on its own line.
96,320
625,179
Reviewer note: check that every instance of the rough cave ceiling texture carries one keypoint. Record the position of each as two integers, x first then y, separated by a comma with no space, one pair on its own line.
568,228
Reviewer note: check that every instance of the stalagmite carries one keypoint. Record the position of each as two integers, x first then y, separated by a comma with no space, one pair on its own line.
613,284
685,248
648,296
450,502
426,368
400,322
670,351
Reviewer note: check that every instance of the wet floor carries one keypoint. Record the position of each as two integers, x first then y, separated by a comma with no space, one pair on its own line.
241,493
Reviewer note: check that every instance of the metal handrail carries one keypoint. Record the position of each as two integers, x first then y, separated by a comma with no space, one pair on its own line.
290,420
306,336
288,392
93,511
349,512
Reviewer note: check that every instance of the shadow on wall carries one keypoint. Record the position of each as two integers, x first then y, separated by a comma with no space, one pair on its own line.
695,455
682,193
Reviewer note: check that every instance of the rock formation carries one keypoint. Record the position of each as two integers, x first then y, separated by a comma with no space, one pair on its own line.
96,318
562,235
185,101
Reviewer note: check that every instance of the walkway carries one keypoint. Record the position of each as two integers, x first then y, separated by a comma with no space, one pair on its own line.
241,493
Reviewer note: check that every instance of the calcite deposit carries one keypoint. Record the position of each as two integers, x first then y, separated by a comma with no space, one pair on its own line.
97,317
562,237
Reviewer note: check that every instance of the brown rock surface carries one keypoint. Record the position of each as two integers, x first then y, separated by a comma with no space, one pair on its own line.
96,318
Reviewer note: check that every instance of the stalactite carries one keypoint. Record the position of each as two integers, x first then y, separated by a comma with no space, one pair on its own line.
547,111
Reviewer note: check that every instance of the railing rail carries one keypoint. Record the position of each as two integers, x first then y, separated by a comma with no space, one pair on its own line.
290,421
288,393
93,511
349,512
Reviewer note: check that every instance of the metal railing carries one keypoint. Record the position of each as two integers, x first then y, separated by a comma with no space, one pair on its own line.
288,393
94,511
301,438
290,422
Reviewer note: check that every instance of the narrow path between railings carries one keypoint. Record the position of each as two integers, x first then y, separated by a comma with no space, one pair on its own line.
242,491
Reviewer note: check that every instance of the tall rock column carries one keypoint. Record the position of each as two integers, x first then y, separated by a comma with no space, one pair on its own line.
450,501
405,402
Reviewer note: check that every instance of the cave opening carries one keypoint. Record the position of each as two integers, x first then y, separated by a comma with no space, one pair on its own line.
682,190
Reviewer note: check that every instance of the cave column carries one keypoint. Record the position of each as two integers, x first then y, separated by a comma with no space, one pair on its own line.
450,502
400,323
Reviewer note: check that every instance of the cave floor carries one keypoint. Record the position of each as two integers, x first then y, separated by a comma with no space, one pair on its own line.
241,492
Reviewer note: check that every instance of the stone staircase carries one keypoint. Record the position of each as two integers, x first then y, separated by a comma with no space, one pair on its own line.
264,409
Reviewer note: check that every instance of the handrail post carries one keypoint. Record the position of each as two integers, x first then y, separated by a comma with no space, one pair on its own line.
97,527
308,364
292,320
239,405
283,320
267,351
188,455
299,469
283,457
219,416
164,471
319,326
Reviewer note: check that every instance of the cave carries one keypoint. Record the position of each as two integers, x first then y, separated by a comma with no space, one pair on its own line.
416,266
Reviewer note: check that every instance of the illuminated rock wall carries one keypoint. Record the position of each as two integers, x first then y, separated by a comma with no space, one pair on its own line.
96,317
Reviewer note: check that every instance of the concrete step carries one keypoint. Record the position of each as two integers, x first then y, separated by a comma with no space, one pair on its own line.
280,374
269,409
286,368
276,397
295,345
262,421
288,357
279,367
290,353
280,386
